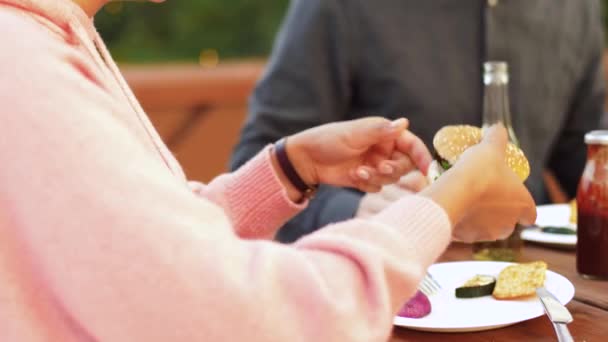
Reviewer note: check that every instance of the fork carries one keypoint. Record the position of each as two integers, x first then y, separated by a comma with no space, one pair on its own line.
429,285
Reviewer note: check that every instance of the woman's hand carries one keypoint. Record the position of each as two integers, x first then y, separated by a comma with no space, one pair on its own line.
364,154
483,197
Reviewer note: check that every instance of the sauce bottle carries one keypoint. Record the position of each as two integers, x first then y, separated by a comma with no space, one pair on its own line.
592,209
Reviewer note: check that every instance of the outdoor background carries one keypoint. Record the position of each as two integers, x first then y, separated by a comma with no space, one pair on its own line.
193,64
180,30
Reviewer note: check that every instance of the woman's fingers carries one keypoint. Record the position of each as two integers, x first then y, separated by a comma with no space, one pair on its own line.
366,178
397,168
392,171
364,133
412,146
397,156
398,165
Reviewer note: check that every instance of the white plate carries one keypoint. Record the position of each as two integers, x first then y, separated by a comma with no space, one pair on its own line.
451,314
551,215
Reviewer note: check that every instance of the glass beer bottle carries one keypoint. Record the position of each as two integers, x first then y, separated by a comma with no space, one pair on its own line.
592,210
496,110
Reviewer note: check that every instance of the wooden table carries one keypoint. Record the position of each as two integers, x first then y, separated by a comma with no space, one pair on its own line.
589,306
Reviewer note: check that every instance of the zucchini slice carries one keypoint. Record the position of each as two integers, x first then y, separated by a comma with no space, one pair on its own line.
558,230
478,286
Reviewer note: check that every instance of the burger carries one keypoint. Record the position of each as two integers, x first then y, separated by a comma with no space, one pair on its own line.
451,141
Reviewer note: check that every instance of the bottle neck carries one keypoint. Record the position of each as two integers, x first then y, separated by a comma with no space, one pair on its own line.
496,105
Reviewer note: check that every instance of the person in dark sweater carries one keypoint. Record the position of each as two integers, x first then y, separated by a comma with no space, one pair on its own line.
337,60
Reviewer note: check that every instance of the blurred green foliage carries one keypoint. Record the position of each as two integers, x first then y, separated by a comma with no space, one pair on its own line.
178,30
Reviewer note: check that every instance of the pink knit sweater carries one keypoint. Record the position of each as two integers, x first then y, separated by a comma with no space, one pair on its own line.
103,239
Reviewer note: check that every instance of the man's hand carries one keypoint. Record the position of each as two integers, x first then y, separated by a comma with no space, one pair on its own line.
372,203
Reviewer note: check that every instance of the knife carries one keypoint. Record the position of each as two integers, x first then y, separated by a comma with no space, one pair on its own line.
558,314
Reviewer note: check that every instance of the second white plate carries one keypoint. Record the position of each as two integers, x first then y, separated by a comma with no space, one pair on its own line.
551,215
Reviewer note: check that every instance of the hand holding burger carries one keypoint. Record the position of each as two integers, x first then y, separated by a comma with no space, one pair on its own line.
450,142
482,189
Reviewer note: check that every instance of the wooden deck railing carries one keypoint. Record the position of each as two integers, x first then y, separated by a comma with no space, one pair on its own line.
197,111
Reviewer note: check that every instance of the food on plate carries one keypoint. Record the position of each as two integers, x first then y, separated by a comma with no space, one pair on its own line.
451,141
486,251
478,286
558,230
573,211
417,307
520,280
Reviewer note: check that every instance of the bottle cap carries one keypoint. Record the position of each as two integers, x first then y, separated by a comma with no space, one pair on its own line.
597,137
496,67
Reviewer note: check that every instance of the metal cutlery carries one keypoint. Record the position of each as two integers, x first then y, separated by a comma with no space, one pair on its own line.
429,285
557,313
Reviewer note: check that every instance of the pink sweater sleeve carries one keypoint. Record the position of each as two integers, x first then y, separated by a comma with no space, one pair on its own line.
119,249
252,197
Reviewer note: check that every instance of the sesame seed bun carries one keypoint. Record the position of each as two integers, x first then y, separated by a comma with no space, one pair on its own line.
451,141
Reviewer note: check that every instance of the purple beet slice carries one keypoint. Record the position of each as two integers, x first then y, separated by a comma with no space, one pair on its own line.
417,307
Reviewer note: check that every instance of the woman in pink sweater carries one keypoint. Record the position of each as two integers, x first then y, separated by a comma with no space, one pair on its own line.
103,239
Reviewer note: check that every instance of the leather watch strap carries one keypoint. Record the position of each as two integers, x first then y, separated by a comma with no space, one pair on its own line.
290,172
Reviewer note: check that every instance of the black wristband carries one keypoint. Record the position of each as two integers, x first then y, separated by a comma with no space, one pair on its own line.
290,172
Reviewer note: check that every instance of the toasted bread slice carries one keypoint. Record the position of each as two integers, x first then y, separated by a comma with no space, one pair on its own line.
520,280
